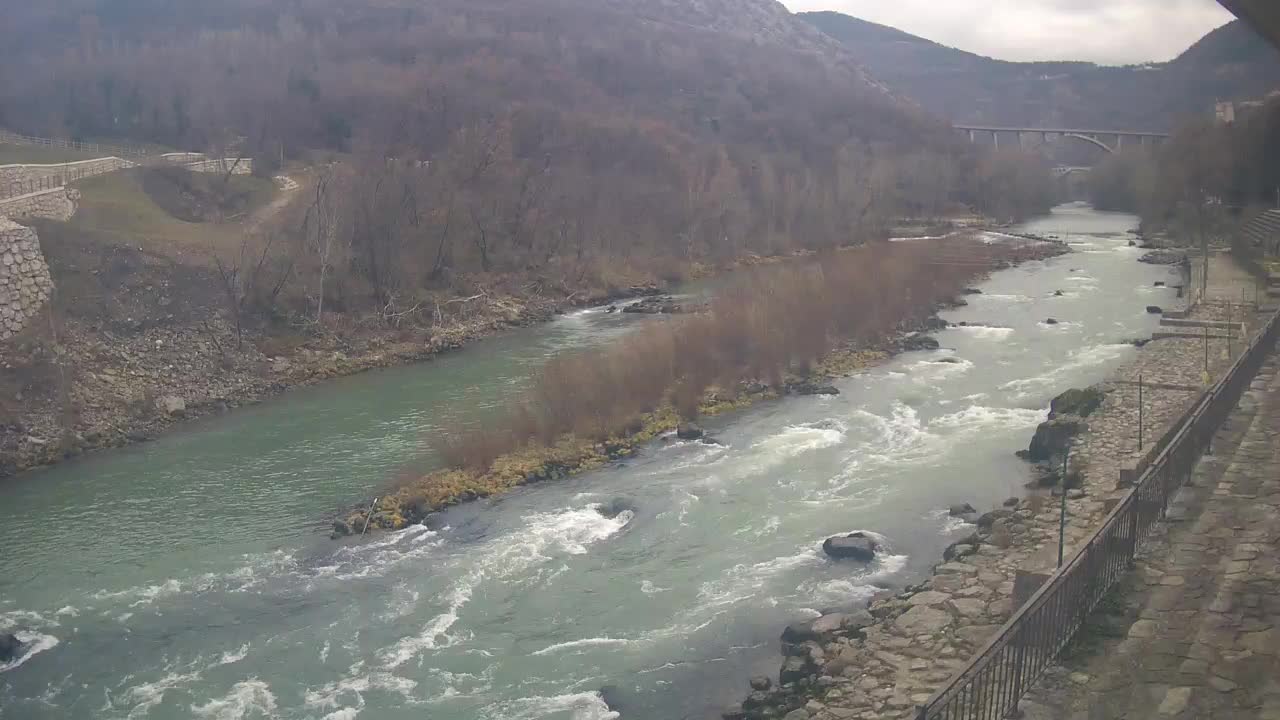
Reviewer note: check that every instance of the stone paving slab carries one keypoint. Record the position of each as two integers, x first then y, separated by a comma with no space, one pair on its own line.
1199,631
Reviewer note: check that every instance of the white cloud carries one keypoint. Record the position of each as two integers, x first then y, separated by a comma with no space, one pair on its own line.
1102,31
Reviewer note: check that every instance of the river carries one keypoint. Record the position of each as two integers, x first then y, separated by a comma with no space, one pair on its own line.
192,576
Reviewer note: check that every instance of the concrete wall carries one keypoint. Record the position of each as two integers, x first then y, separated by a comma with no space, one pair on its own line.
25,285
56,204
237,166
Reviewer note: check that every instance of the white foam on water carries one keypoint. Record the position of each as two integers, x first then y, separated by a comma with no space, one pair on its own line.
256,571
857,588
1058,326
648,588
1081,359
948,524
345,698
985,332
374,559
26,619
745,581
934,368
324,652
980,418
1001,297
69,611
583,644
793,441
234,657
34,643
544,536
894,440
578,706
147,695
251,698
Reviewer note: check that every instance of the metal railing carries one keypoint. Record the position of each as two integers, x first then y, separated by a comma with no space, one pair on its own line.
56,176
119,150
993,682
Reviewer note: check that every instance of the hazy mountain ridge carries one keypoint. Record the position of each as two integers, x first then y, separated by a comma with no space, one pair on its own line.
1230,63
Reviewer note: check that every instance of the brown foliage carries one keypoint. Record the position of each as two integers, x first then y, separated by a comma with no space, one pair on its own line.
775,320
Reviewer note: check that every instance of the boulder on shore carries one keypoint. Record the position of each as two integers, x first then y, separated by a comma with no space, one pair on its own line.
919,341
10,646
858,546
1077,401
1053,437
761,682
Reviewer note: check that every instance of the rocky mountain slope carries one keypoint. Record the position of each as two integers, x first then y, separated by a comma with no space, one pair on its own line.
1230,63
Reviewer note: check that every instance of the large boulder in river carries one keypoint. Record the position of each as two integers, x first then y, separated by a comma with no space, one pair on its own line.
858,546
1077,401
1053,437
616,507
10,646
919,341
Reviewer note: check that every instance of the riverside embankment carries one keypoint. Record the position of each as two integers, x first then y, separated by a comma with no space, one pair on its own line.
884,661
199,561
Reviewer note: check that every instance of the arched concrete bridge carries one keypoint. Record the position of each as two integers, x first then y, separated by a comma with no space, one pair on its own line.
1093,137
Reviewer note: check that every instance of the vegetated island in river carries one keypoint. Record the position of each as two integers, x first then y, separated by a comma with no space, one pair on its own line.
784,328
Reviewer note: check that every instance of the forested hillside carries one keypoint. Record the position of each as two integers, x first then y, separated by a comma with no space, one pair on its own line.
545,137
1230,63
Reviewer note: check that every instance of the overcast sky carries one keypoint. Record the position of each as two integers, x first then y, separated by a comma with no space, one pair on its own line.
1103,31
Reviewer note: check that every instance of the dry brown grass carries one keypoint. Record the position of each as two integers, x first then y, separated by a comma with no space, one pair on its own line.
777,320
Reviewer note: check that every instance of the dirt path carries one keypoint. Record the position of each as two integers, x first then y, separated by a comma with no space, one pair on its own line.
259,218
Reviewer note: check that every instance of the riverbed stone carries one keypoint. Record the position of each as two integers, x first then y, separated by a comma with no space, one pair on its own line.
923,620
856,546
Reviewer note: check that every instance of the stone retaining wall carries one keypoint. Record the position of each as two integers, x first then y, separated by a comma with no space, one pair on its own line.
23,179
25,285
56,204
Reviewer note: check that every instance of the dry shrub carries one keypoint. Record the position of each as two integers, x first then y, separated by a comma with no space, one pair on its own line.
777,319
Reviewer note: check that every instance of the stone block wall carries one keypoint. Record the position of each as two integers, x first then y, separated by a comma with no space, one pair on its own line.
56,204
25,285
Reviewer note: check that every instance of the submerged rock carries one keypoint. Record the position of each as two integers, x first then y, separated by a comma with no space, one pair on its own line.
616,507
1058,293
1155,310
10,646
961,510
971,291
858,546
1050,321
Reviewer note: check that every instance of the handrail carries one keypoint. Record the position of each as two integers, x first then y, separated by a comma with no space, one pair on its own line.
999,674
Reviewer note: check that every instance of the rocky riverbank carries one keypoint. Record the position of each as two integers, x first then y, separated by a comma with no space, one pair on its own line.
80,384
883,660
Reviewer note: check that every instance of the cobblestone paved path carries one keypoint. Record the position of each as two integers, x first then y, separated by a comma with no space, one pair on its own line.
1199,636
